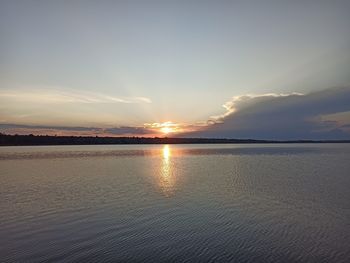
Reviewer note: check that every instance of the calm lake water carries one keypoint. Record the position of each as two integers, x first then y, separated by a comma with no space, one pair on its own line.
183,203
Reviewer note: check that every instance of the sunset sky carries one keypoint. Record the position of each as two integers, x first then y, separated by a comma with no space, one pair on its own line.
234,69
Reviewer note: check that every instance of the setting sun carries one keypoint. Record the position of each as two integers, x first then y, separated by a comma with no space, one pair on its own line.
167,130
164,127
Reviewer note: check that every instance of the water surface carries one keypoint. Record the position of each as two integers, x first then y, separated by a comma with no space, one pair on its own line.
242,203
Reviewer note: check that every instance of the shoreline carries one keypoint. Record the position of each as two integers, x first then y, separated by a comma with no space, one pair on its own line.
46,140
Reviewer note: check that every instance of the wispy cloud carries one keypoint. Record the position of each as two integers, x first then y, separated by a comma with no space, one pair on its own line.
57,96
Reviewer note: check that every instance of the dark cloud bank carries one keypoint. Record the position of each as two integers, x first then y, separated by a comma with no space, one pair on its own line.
83,131
283,117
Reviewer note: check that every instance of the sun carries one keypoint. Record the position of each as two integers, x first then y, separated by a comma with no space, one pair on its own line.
166,130
164,127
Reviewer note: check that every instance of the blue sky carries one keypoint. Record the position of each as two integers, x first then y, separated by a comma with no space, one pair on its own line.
140,64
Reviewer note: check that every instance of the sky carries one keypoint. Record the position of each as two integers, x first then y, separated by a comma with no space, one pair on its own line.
234,69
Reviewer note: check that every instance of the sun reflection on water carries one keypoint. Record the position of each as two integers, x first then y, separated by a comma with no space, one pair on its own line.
166,153
167,179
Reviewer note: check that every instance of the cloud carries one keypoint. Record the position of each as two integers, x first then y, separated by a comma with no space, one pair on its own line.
281,116
318,115
78,131
147,130
49,96
128,130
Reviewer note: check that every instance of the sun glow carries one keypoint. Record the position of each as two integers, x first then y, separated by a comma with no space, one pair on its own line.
166,130
164,127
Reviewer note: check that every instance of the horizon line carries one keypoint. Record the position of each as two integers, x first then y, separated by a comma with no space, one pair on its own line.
42,140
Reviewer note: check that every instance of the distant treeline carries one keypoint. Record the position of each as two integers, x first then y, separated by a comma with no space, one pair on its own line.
12,140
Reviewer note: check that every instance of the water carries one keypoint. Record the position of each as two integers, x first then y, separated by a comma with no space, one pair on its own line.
209,203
